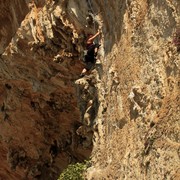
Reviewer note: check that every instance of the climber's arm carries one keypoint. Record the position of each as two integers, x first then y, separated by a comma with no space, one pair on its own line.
93,37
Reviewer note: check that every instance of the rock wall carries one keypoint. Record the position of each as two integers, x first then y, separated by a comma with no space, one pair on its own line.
138,120
39,111
11,15
126,109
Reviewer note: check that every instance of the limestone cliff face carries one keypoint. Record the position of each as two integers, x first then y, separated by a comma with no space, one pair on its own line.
138,121
128,105
39,111
11,15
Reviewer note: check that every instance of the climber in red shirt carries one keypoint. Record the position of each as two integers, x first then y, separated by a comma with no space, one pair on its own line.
92,49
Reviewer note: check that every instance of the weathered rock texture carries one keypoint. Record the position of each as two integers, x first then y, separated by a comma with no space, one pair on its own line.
39,110
11,15
138,123
130,101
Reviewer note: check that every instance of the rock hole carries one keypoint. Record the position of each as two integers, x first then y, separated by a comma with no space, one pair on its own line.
6,117
3,107
33,105
54,149
122,123
8,86
152,124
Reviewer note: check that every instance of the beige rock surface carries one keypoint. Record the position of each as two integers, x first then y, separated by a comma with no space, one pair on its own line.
139,121
126,109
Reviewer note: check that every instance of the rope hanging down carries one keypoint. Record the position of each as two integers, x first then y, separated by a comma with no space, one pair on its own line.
93,14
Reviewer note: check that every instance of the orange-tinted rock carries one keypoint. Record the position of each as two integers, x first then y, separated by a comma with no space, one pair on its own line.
11,14
130,101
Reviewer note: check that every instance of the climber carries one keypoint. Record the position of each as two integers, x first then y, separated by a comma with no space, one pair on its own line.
92,49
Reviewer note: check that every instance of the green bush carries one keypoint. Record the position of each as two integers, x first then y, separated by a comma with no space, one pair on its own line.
74,172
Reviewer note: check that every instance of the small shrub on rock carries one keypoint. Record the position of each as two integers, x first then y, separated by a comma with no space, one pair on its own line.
74,172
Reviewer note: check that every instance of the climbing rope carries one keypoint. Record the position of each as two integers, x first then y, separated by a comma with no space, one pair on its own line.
90,5
93,14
